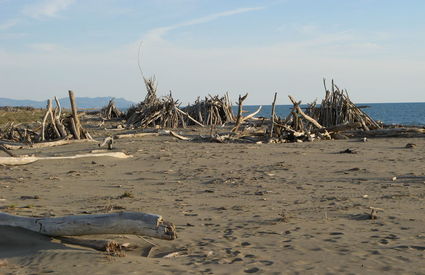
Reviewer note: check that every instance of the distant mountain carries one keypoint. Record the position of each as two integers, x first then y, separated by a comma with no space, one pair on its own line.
82,102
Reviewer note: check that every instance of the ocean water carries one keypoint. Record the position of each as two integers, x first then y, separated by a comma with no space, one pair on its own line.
389,113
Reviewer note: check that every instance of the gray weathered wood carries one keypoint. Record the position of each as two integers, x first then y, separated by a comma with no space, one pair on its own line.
115,223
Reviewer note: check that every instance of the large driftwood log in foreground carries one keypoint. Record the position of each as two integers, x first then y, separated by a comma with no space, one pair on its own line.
28,159
116,223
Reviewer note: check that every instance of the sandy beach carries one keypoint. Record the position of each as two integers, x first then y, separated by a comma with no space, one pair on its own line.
239,208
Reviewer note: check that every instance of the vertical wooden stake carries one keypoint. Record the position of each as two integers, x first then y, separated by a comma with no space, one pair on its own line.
75,114
273,114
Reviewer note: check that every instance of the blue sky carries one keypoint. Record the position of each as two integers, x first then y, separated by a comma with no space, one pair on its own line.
374,48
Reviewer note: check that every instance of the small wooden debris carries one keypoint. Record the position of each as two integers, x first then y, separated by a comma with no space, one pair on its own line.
111,111
374,212
348,151
107,141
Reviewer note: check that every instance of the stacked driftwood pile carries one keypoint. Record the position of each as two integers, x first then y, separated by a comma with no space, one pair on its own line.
56,126
337,109
157,112
111,111
18,133
213,110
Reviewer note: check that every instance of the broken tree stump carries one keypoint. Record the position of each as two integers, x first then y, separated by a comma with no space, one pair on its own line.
136,223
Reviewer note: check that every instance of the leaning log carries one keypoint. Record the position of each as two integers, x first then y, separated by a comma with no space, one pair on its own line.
304,115
115,223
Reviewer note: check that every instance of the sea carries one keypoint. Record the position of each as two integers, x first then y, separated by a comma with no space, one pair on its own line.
388,113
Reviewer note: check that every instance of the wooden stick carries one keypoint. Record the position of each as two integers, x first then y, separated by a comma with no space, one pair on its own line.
101,245
115,223
136,135
3,148
43,127
74,114
191,118
272,118
178,136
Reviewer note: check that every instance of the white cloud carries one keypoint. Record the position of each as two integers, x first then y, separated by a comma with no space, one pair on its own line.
8,24
158,33
47,8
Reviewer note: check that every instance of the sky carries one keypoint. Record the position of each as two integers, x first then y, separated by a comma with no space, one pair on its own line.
372,48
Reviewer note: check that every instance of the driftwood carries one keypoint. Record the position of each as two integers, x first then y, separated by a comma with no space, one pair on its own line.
107,141
16,133
116,223
179,136
304,115
38,145
111,111
4,149
336,109
239,117
273,116
75,119
111,247
135,135
213,110
392,132
22,160
155,112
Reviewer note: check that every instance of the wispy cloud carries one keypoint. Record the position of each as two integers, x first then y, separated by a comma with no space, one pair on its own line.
47,8
158,33
8,24
45,47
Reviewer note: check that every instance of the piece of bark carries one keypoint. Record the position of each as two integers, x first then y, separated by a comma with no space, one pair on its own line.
115,223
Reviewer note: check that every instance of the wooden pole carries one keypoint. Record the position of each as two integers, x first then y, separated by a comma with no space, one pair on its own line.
75,114
239,117
273,114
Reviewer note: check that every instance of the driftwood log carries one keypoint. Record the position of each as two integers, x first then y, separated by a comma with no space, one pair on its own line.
16,146
116,223
30,159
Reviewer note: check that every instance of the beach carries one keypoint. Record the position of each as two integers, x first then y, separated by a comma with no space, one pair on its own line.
294,208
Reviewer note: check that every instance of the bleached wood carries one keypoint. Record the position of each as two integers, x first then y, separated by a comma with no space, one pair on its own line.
115,223
44,144
29,159
179,136
135,135
75,114
304,115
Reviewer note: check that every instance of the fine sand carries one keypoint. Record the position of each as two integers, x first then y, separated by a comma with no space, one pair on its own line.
239,208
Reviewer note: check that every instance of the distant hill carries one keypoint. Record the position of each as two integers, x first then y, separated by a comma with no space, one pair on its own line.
82,102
